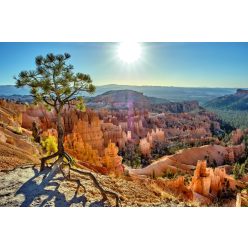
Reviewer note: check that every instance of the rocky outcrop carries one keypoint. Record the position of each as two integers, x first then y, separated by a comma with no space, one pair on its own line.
3,138
237,101
12,156
109,163
16,143
112,161
208,183
156,135
146,144
241,92
120,99
176,107
236,136
40,115
11,113
89,130
145,147
114,134
242,199
176,186
186,159
76,147
16,149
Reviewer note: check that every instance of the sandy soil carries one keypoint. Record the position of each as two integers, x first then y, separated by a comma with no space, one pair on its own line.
26,186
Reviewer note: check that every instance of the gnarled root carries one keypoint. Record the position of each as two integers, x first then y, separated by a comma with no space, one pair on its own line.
68,178
97,184
60,163
43,160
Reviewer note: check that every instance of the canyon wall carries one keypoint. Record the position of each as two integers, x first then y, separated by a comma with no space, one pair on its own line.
186,160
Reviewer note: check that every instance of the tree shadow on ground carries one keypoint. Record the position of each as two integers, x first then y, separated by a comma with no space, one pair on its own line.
33,191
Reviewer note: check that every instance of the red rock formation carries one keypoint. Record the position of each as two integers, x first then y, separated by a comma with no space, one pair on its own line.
129,135
236,136
39,114
112,161
11,113
186,159
229,156
161,187
3,138
90,132
27,121
77,148
122,125
71,117
242,199
239,151
49,132
156,135
114,134
145,147
16,145
209,182
177,187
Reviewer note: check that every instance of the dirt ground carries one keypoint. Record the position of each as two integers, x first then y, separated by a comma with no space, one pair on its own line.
26,186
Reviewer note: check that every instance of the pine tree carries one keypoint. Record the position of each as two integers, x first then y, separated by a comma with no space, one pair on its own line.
54,83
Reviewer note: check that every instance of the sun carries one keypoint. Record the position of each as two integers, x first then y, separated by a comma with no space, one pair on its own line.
129,52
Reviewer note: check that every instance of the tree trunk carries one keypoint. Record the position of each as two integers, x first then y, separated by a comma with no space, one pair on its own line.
60,161
60,130
61,152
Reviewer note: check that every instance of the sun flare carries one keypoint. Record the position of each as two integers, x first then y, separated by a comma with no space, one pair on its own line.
129,52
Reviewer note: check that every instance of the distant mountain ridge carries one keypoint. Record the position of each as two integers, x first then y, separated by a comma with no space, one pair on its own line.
175,94
237,101
130,99
124,99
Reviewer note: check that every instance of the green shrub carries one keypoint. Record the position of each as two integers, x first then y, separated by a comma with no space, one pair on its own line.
17,130
49,144
238,170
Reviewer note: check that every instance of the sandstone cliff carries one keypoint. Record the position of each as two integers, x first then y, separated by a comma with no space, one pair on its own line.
186,159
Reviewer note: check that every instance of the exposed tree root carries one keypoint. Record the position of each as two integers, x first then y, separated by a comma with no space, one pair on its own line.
62,164
68,178
43,160
97,184
68,157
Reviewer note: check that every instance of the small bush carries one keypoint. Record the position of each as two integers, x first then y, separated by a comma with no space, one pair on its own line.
49,144
170,175
17,130
238,170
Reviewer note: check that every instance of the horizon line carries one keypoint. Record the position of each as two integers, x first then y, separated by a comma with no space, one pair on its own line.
148,85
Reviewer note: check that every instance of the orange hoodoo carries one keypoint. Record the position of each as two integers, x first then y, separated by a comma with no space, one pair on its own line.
111,159
208,182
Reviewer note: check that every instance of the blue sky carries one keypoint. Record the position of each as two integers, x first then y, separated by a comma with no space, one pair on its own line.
164,64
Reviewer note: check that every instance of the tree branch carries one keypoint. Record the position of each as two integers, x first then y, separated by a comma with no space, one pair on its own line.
45,100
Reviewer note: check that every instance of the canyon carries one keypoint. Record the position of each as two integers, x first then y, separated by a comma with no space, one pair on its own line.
170,150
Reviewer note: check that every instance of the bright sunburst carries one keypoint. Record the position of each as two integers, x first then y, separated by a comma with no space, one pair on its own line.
129,52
